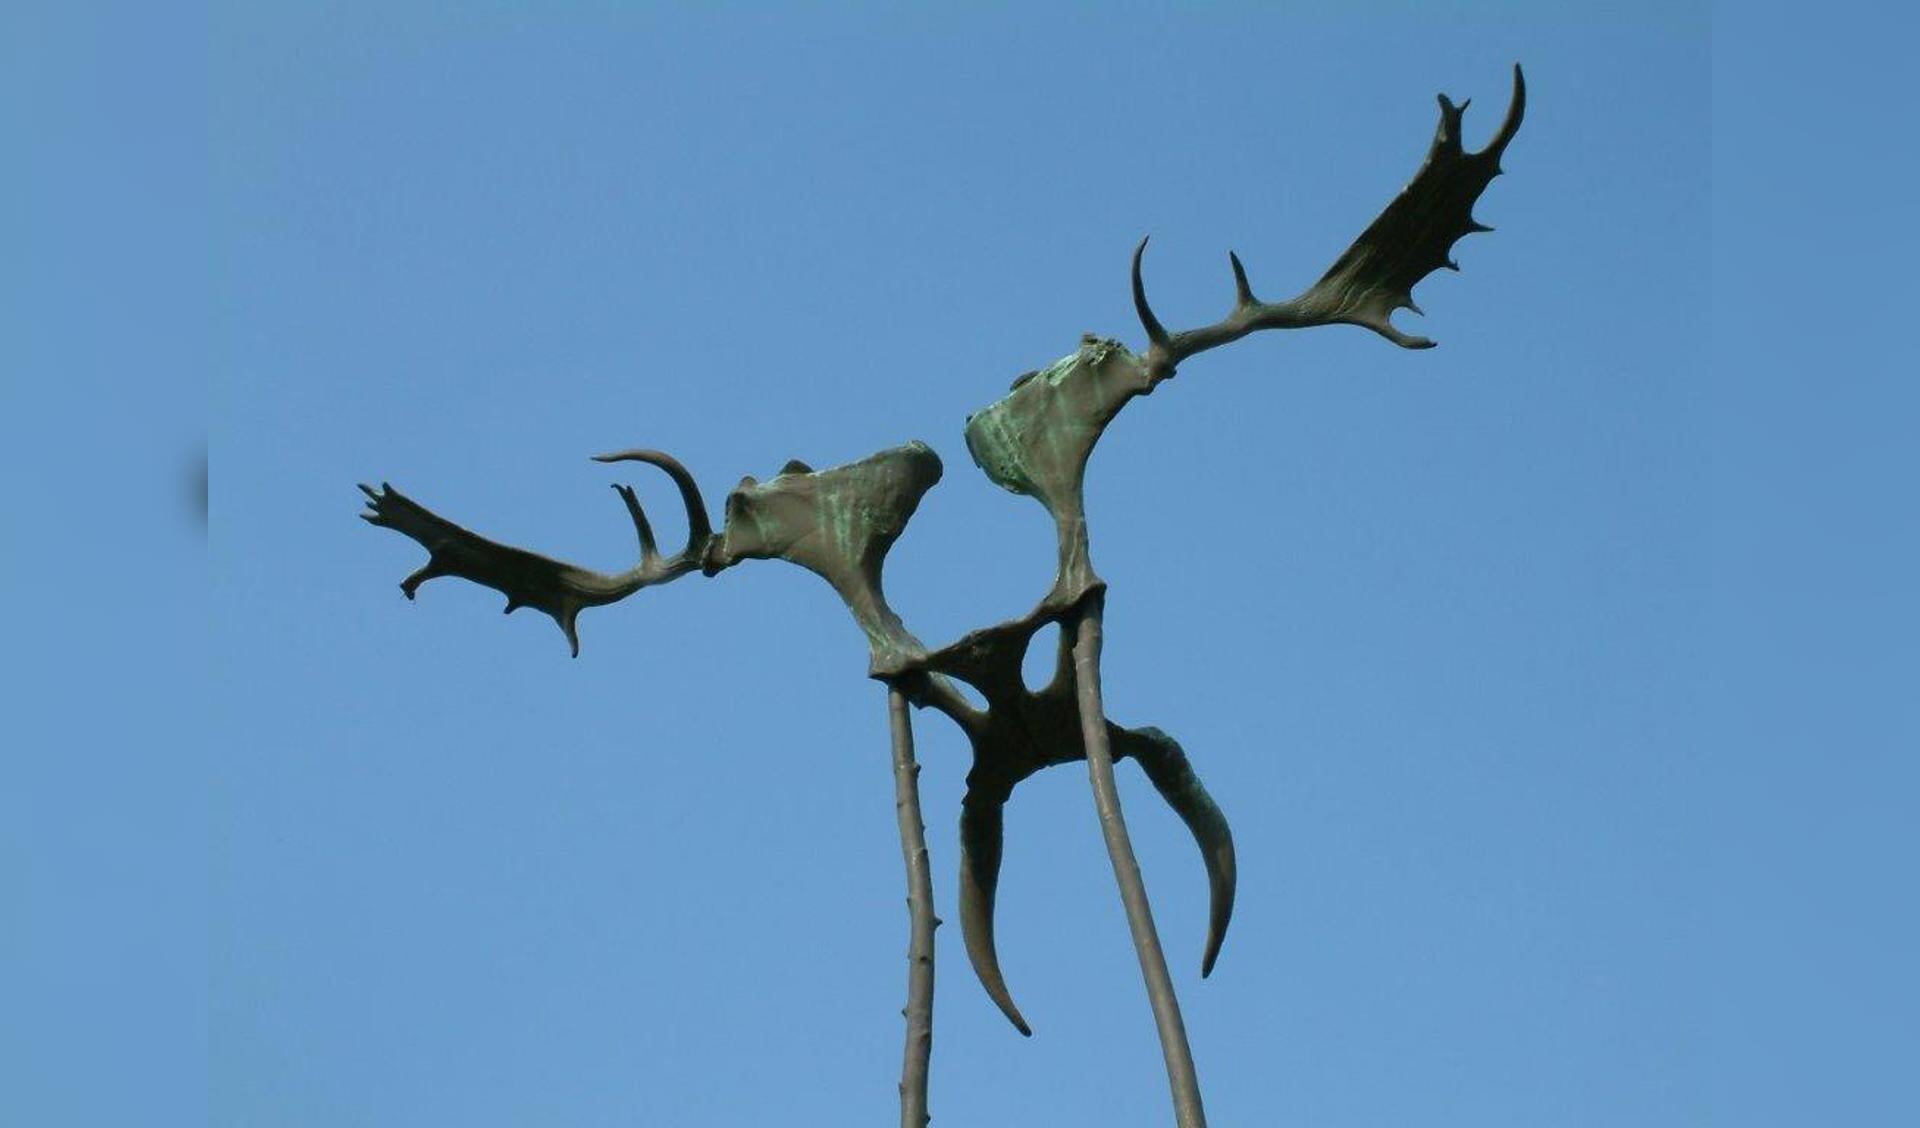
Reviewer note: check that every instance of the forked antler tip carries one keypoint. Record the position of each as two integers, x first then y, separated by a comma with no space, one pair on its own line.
1448,135
374,514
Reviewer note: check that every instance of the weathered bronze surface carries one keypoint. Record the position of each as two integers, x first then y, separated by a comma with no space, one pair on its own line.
839,524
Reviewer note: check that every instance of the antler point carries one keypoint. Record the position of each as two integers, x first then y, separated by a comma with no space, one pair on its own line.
1156,332
1243,293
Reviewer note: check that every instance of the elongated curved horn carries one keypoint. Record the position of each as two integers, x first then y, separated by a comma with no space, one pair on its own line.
1166,765
699,528
981,831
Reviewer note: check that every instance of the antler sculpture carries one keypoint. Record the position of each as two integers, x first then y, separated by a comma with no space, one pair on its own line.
528,579
839,523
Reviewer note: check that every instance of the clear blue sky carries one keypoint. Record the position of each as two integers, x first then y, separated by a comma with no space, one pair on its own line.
1560,698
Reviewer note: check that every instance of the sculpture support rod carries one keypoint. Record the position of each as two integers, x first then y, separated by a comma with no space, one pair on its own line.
913,848
1181,1077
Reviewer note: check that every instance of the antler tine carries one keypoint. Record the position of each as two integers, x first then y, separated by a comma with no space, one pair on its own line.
981,834
649,551
1242,293
1156,332
699,528
1171,772
1166,350
1510,125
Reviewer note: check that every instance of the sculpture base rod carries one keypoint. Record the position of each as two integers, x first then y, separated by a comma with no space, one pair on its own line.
913,848
1181,1077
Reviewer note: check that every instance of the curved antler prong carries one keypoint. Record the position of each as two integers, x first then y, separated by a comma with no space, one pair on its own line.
699,528
981,837
1156,332
1510,125
1167,767
649,551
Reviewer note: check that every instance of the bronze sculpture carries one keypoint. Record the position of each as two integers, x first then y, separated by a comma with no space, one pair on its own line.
840,522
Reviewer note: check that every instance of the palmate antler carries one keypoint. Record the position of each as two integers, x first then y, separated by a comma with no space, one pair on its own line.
1411,239
529,579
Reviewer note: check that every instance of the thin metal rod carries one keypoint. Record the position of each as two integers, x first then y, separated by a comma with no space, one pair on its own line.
913,849
1181,1078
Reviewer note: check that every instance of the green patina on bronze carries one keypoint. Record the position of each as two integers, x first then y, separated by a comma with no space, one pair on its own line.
1037,440
837,524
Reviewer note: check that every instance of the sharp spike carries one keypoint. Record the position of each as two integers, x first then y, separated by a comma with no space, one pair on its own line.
1516,112
1172,775
699,527
981,835
1243,293
1156,332
643,529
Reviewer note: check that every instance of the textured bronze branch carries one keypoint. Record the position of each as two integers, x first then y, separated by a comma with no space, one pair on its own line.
918,1054
1182,1080
839,524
